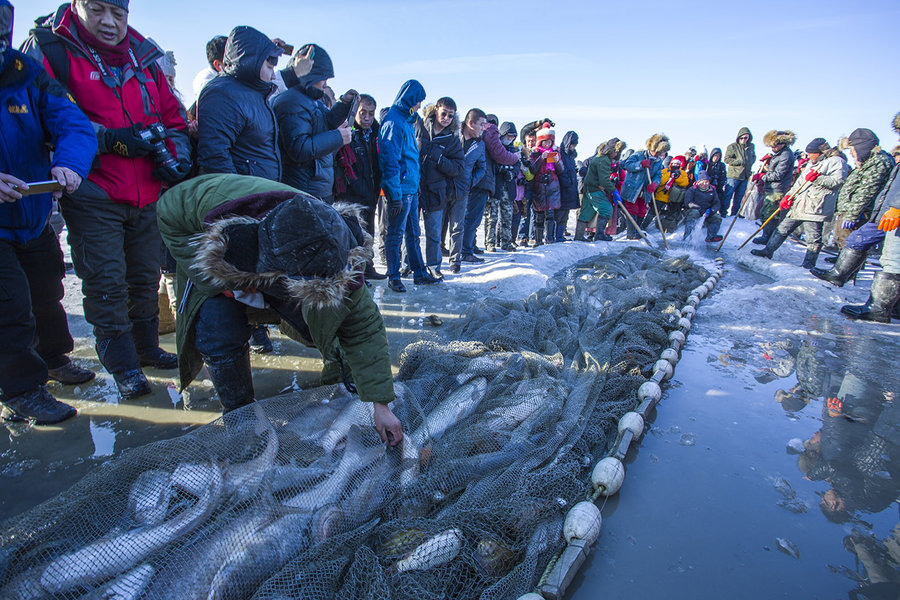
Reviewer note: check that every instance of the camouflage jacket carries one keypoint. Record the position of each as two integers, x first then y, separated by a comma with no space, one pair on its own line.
862,185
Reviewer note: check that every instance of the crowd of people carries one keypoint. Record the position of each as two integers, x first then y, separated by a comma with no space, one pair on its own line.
261,204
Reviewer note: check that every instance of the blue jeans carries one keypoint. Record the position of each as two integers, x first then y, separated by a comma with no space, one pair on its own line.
474,214
562,218
865,238
734,193
221,327
890,253
404,226
433,222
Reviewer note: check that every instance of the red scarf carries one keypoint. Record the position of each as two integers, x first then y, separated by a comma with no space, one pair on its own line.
345,159
114,56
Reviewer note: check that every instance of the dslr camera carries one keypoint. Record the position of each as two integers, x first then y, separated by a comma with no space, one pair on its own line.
508,172
155,135
545,178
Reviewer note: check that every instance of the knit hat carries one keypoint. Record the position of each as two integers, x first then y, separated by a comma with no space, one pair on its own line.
123,4
817,146
863,141
545,133
678,159
702,176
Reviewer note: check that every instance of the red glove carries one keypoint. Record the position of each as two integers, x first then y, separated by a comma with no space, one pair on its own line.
756,177
766,158
645,164
812,175
651,188
786,202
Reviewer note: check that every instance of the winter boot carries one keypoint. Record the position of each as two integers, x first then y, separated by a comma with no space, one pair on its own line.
146,341
773,244
120,358
809,261
848,263
68,373
259,340
601,236
761,240
579,231
882,299
37,406
232,378
538,237
372,274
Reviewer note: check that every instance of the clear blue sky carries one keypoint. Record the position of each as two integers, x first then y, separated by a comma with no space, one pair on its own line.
695,70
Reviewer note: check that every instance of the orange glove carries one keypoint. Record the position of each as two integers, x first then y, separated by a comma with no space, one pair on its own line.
890,221
786,202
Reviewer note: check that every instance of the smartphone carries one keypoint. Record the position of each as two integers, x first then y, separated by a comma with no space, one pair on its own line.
41,187
288,49
354,106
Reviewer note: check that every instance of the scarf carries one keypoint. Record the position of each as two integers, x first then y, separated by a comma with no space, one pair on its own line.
114,56
345,159
673,175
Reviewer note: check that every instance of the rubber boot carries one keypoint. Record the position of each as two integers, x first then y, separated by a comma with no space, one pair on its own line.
120,358
538,237
809,261
166,317
848,263
146,341
38,406
232,378
882,300
774,243
579,231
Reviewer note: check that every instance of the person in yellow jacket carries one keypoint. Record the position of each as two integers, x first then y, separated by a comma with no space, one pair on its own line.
670,193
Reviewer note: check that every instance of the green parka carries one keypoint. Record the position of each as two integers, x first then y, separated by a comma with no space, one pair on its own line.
862,185
739,158
350,329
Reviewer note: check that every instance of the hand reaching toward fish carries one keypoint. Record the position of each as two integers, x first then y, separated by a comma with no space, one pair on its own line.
388,425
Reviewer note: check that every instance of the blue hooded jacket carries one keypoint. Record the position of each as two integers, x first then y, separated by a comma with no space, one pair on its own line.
34,111
398,152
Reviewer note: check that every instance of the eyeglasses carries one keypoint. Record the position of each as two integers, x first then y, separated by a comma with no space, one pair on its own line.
272,60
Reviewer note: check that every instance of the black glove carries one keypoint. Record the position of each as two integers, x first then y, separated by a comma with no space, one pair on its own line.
435,152
395,205
126,141
172,174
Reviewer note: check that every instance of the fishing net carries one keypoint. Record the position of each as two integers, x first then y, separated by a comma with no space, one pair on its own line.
295,497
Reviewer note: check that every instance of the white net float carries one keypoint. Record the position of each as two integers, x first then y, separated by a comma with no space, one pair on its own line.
531,596
583,523
693,300
688,311
608,474
684,323
676,336
649,389
669,355
633,422
665,367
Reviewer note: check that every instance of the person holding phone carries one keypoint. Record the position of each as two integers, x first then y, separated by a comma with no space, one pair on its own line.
34,333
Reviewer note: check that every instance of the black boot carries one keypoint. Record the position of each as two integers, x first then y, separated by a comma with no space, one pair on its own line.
69,373
120,358
772,244
259,340
882,299
538,237
232,378
579,231
809,261
37,406
146,341
847,265
372,274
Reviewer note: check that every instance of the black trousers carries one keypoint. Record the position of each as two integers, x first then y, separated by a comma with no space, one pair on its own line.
34,333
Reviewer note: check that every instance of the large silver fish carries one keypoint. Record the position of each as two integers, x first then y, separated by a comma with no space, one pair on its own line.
108,557
356,413
434,552
242,480
129,586
150,496
454,408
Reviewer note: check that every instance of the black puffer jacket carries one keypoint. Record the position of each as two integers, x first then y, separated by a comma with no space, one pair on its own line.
717,171
365,187
441,161
236,126
568,179
308,131
781,167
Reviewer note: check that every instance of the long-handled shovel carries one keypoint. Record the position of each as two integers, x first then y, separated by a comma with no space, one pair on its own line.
635,225
797,193
735,218
656,211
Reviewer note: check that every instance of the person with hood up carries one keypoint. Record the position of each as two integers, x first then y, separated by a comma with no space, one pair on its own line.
548,170
398,156
497,157
776,179
701,200
498,214
697,164
857,196
739,159
599,189
637,184
248,248
568,184
673,185
309,134
810,201
34,334
441,161
717,173
111,72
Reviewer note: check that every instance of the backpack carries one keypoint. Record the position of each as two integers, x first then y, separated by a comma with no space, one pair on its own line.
53,48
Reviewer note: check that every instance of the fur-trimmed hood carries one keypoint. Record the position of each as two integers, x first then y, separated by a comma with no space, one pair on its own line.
777,136
216,262
429,117
896,123
658,143
612,148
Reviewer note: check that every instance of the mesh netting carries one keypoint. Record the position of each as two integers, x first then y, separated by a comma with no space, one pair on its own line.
295,497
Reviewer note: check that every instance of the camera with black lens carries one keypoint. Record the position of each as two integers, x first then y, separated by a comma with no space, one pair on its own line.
545,178
155,135
508,173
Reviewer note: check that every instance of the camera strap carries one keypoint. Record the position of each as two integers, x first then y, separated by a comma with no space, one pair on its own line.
110,79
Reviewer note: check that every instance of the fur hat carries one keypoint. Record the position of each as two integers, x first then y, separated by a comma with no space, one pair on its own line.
896,123
612,147
545,133
658,143
776,136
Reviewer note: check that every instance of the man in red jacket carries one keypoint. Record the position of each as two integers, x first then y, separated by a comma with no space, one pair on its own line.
110,71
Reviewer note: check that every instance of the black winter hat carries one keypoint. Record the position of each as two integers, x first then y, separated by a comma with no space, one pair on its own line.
817,146
863,141
6,25
507,128
123,4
